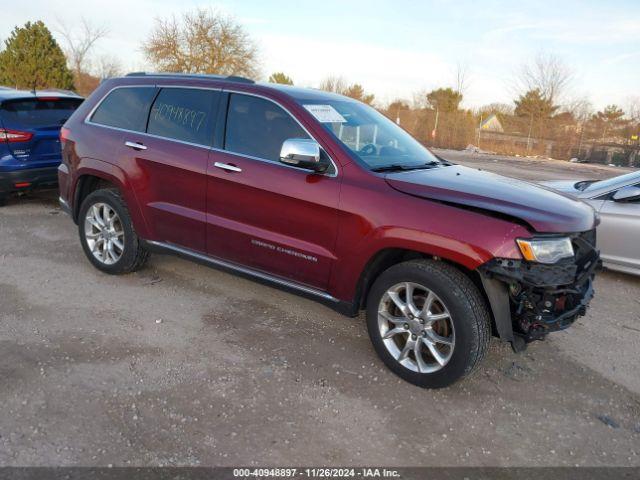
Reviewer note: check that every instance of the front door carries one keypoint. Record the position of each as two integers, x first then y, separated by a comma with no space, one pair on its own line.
262,213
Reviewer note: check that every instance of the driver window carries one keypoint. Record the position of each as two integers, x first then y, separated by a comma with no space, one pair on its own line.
257,127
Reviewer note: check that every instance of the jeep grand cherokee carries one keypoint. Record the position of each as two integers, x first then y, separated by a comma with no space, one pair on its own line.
322,195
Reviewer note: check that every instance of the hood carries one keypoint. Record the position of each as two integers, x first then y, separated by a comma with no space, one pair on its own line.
541,208
564,186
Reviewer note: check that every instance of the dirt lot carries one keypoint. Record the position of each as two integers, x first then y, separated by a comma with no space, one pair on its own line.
180,364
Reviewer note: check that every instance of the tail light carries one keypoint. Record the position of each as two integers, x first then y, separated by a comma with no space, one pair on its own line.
64,135
12,136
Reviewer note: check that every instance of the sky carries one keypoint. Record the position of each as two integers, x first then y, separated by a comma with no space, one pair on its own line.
393,48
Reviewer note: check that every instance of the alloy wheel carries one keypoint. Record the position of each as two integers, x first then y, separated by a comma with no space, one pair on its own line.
416,327
104,233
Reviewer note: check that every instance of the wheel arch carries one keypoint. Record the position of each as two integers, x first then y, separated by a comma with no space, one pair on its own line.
94,174
387,257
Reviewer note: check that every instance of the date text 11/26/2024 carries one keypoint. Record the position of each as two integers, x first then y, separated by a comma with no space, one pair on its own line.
315,472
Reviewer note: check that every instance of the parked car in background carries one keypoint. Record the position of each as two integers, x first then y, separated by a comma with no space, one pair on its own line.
323,195
617,201
29,137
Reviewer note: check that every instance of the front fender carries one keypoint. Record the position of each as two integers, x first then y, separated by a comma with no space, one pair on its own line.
348,270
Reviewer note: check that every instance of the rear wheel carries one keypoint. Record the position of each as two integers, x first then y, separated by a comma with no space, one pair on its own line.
107,234
3,200
428,322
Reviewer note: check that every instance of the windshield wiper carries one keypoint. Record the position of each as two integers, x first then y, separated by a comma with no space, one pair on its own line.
397,167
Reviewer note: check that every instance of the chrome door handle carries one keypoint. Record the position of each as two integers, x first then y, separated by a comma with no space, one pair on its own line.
135,145
226,166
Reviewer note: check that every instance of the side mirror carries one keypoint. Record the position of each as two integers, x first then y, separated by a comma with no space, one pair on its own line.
303,153
627,194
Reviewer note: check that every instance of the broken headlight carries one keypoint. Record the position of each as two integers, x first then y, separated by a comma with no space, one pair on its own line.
545,250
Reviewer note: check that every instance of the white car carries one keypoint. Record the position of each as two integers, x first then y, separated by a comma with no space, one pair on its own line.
617,200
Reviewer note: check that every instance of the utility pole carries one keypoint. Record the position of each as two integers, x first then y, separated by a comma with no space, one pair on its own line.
479,129
580,141
435,126
529,135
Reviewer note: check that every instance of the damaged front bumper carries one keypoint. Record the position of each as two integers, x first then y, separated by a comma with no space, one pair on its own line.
530,300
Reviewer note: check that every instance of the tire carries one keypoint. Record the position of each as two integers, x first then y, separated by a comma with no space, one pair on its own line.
457,325
3,200
128,253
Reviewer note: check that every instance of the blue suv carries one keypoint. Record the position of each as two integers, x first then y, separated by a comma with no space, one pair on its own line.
30,125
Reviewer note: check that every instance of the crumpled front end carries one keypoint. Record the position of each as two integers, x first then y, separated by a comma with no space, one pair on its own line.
541,298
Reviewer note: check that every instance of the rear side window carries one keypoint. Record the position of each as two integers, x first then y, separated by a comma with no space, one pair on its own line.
126,107
185,114
38,112
258,127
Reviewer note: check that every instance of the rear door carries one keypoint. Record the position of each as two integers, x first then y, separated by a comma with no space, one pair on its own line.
32,127
172,159
262,213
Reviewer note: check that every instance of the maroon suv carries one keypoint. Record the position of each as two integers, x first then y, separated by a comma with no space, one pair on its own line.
320,194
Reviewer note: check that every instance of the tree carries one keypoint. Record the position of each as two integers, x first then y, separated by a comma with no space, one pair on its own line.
279,77
444,99
339,85
204,41
462,77
546,73
609,121
357,91
633,109
535,105
79,44
334,84
33,59
503,109
108,67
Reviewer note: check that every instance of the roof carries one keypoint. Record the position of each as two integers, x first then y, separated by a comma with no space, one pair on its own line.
492,122
11,94
298,93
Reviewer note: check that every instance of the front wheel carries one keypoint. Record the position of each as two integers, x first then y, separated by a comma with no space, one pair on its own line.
428,322
107,234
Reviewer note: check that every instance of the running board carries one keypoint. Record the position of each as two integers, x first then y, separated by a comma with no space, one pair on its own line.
216,262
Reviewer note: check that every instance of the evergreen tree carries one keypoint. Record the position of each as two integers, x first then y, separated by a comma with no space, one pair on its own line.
444,99
279,77
32,59
534,105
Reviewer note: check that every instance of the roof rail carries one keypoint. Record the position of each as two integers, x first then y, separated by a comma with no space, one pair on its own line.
230,78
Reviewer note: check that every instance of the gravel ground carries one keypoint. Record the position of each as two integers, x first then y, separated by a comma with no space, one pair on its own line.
180,364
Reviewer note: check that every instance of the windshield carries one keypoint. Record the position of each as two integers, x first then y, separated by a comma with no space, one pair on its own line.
613,182
38,112
372,137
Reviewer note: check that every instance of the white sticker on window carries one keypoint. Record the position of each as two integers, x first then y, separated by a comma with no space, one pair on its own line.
325,113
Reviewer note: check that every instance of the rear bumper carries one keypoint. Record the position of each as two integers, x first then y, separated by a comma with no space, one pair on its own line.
28,179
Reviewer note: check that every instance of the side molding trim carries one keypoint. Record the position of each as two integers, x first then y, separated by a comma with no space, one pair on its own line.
216,262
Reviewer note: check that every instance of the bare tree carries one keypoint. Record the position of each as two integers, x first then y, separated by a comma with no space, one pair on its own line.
335,84
461,78
633,109
203,41
496,107
79,43
580,109
108,66
547,73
